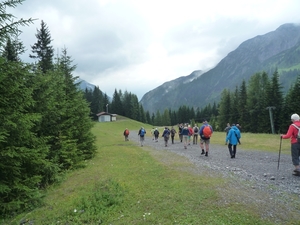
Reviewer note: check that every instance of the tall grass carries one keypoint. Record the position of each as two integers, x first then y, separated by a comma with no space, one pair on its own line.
126,184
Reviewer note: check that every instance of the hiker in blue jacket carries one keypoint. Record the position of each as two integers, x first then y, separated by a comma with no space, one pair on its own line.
142,133
233,138
185,133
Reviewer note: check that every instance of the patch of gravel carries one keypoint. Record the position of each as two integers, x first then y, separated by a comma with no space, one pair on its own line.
251,177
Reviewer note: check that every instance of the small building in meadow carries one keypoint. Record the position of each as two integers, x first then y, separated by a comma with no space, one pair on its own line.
106,117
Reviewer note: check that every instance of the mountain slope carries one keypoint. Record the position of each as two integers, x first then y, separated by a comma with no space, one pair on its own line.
277,49
84,85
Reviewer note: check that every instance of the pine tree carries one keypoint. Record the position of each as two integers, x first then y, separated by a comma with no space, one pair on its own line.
9,26
43,50
22,152
128,107
148,118
12,50
76,139
116,103
97,102
242,106
142,115
275,98
158,119
165,118
224,109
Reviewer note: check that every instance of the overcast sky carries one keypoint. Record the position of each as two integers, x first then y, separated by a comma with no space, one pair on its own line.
137,45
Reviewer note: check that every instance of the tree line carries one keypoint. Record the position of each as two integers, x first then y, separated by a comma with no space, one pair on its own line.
258,105
45,125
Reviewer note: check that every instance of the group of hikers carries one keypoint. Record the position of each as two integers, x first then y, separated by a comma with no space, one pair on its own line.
232,139
185,132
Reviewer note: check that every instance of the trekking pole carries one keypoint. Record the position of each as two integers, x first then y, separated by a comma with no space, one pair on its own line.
279,153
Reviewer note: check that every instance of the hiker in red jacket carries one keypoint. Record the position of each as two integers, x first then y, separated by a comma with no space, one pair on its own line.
292,133
126,134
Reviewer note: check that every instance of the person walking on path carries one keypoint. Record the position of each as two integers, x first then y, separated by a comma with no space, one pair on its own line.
185,133
126,134
205,133
166,136
233,138
152,133
142,133
191,132
173,132
195,137
180,127
227,128
292,133
156,134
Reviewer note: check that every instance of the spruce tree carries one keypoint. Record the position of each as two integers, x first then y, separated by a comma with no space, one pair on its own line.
97,102
224,109
12,50
9,24
116,103
275,98
76,124
22,152
242,106
43,50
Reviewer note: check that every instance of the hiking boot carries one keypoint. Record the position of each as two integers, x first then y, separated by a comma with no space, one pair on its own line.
297,171
206,154
202,153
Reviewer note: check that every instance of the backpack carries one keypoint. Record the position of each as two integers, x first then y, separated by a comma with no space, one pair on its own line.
206,132
173,132
298,135
191,131
166,136
196,129
126,132
142,133
156,132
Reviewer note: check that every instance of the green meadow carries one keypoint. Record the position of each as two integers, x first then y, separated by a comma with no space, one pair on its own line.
127,184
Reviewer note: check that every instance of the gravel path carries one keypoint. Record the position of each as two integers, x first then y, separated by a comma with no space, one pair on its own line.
253,174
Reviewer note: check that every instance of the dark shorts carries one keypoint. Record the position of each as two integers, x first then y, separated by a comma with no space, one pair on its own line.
204,140
295,152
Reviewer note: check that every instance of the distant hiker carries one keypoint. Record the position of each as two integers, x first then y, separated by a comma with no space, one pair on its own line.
152,133
142,133
156,134
180,127
292,133
238,126
195,137
233,138
205,133
185,133
166,135
173,132
227,128
191,133
126,134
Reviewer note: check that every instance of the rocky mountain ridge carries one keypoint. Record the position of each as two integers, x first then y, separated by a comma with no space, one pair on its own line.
278,49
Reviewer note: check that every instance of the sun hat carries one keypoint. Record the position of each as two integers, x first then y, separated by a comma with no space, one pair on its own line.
295,117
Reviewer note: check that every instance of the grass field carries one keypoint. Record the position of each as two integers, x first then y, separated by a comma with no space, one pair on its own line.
125,184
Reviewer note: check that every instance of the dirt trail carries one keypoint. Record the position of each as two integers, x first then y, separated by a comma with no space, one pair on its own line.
252,174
